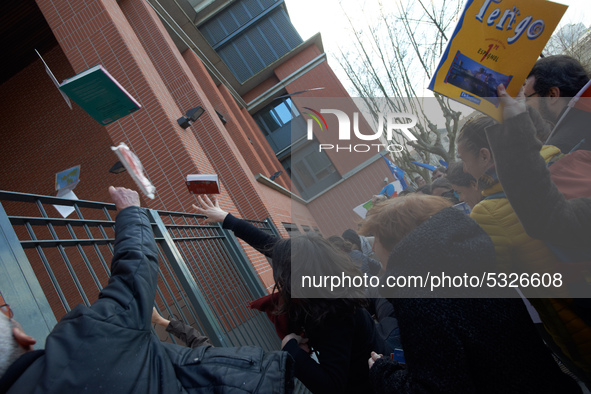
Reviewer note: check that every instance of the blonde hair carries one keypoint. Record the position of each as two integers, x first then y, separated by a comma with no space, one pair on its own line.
392,220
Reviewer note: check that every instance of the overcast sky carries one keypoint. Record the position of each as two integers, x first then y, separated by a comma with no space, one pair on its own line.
325,16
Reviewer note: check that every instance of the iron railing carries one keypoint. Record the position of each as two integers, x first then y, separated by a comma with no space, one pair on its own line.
205,278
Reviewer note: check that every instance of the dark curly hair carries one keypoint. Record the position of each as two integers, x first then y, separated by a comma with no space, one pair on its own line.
305,255
564,72
457,176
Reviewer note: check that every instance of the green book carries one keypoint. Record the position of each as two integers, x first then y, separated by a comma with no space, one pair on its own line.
100,95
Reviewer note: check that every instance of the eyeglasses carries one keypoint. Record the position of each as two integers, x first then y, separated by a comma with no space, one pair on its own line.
5,308
531,95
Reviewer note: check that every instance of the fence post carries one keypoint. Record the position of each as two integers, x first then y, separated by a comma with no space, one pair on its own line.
20,287
198,301
237,255
272,227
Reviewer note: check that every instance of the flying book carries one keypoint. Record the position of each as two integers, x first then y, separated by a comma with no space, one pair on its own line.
100,95
65,183
134,166
494,42
203,183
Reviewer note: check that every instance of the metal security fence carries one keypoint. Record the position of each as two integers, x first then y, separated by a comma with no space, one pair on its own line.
225,280
265,225
49,263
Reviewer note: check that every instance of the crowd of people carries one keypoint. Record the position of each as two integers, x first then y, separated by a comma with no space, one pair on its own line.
526,184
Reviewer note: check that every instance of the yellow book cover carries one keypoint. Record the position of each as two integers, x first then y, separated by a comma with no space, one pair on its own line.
495,42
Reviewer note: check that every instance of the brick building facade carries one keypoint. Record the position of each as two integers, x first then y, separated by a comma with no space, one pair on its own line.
159,51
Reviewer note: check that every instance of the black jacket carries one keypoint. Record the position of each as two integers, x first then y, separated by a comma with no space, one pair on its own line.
109,347
344,342
540,206
462,345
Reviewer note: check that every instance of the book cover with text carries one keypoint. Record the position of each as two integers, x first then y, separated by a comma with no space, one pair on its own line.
495,42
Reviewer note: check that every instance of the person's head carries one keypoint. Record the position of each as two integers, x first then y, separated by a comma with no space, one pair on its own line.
394,219
420,181
552,82
425,189
473,147
313,256
442,187
352,236
13,340
340,243
439,172
464,184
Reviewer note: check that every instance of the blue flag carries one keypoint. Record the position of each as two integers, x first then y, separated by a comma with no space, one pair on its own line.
397,172
427,166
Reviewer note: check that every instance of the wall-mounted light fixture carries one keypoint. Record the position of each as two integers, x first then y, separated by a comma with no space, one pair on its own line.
224,121
191,116
275,175
117,168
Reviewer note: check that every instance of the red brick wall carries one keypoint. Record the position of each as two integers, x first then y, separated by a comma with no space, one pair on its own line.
133,45
219,103
42,136
260,88
334,208
129,40
97,32
282,209
254,137
297,62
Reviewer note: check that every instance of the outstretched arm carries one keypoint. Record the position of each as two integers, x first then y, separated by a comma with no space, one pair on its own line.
258,239
182,331
542,209
129,295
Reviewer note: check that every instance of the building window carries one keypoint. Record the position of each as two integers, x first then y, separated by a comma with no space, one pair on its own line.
198,5
292,229
251,34
281,124
306,229
310,169
275,116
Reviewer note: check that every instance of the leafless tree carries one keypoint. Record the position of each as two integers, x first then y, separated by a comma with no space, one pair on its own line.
574,40
389,63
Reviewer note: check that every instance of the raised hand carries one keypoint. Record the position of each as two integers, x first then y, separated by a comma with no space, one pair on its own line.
511,106
210,209
124,198
374,357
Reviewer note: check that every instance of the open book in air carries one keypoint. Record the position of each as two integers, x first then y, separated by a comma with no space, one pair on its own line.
494,42
100,95
203,183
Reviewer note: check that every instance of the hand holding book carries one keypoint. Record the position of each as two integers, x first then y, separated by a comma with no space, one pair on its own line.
511,106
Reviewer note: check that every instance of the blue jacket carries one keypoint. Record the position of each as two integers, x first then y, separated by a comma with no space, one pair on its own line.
109,348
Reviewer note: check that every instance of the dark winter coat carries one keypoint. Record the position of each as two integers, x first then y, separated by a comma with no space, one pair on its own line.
547,215
109,347
343,342
461,345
